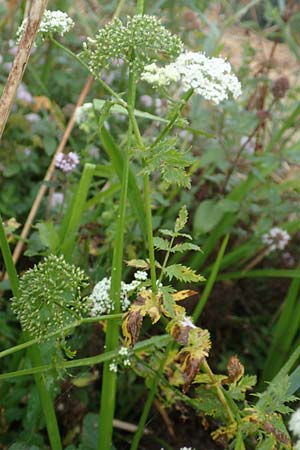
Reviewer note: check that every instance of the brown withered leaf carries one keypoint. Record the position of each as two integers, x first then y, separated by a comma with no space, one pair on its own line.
182,295
180,334
278,434
191,356
145,304
235,370
131,327
190,366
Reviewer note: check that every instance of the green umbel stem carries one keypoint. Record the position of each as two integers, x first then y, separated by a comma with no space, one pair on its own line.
109,380
34,354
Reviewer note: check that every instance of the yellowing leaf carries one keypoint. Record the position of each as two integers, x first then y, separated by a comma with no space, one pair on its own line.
182,295
138,264
146,304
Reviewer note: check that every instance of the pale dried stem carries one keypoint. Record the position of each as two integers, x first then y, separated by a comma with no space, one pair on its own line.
15,76
49,173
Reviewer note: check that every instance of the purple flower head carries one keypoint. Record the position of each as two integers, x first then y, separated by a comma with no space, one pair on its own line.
67,162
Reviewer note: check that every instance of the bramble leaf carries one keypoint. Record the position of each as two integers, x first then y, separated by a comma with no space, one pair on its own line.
138,263
161,244
184,247
181,219
182,273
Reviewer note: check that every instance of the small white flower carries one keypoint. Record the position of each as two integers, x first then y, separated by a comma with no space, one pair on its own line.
141,275
187,322
113,367
67,162
127,362
276,239
294,423
123,351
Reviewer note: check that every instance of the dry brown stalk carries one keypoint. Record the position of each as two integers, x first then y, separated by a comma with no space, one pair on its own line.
19,247
15,76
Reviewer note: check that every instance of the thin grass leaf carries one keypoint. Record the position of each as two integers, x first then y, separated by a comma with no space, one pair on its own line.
261,273
211,280
284,333
73,217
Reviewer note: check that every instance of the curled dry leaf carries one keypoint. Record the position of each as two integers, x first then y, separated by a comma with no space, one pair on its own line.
191,356
146,304
235,370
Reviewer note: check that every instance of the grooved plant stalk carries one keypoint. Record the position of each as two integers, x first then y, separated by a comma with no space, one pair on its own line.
109,380
34,354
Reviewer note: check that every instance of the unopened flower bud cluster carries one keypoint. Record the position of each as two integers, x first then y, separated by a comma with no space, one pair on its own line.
138,42
209,77
100,301
52,22
49,297
66,162
276,239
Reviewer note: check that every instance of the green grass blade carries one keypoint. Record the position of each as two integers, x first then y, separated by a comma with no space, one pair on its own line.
72,223
261,273
211,280
285,331
8,261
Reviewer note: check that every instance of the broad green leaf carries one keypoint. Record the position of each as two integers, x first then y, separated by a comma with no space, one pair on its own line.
207,216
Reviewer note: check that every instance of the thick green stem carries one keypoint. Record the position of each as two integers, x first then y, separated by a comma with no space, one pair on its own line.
109,381
34,354
149,401
140,6
147,194
76,324
148,344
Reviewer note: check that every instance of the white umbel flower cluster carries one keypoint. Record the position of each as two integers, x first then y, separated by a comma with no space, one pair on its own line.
52,22
209,77
67,162
100,300
294,427
276,239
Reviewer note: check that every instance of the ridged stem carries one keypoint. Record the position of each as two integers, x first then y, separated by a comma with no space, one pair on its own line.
109,379
34,354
